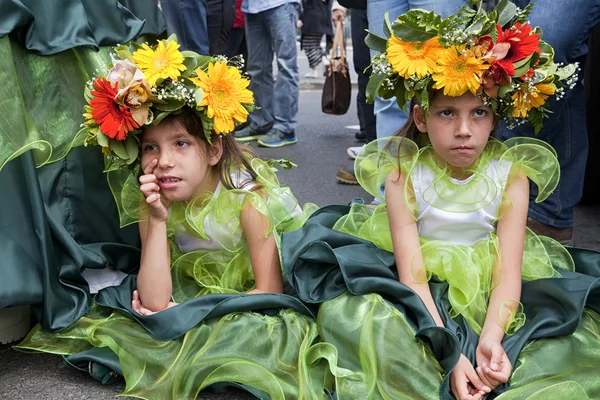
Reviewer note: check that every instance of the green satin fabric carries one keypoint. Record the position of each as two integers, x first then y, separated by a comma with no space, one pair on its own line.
322,264
50,27
56,221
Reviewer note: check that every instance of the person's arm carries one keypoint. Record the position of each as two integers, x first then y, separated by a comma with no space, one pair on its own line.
154,278
339,13
405,241
505,297
262,247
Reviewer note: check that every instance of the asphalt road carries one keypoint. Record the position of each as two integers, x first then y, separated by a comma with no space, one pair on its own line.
320,151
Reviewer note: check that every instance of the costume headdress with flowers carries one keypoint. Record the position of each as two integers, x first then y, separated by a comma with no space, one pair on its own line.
497,55
147,83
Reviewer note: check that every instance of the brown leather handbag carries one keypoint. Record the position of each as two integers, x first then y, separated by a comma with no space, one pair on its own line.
337,88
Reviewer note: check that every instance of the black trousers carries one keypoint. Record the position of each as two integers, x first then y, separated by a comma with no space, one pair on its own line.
361,58
219,17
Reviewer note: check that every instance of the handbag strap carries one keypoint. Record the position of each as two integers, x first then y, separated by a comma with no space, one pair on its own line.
338,42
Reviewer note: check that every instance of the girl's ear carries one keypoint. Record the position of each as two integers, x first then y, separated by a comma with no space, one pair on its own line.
215,151
420,120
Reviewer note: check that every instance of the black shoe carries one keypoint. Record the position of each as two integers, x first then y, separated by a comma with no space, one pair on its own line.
361,137
247,133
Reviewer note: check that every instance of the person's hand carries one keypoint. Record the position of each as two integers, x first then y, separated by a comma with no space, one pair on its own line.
138,307
338,16
299,24
465,383
493,365
158,205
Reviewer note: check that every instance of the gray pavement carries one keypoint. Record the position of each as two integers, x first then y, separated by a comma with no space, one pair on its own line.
320,151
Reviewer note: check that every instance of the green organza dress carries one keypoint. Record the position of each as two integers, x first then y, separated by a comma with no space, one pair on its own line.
265,343
387,343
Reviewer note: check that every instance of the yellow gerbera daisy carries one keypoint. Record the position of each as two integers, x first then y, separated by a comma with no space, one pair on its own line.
225,93
458,70
526,98
164,62
413,58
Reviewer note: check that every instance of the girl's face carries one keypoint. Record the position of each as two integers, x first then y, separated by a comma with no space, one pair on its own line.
458,128
185,163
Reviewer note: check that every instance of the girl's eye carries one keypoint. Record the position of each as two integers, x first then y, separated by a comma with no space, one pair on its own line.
481,112
148,147
446,113
181,143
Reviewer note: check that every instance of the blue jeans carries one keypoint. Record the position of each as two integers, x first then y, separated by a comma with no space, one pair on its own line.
565,130
187,19
269,31
389,116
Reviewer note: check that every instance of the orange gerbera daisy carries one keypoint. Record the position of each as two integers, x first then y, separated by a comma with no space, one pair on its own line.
115,120
413,58
225,93
458,70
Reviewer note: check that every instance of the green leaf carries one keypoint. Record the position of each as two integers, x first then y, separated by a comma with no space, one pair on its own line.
373,86
522,70
524,14
203,62
375,42
172,38
539,75
566,71
131,148
118,148
102,139
160,117
411,34
505,11
388,93
503,90
190,54
124,52
401,97
387,26
477,26
285,163
547,53
416,26
171,105
87,94
190,64
207,125
537,30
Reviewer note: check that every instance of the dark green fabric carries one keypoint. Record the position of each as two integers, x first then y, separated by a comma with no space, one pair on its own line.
322,264
55,221
49,27
176,321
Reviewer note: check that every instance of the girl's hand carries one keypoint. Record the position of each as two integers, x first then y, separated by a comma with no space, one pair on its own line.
493,366
158,205
465,383
138,307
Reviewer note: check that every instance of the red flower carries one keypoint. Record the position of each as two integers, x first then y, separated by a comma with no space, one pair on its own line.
114,119
522,42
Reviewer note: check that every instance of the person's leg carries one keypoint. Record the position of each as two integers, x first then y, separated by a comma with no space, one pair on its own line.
311,43
565,130
361,59
282,24
220,15
390,117
187,19
260,70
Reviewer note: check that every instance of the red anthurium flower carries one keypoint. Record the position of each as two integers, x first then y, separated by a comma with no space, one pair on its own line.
114,119
522,42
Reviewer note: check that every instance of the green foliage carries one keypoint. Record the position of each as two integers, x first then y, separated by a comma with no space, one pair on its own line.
524,14
285,163
566,71
373,86
375,42
170,105
124,52
505,11
536,117
416,26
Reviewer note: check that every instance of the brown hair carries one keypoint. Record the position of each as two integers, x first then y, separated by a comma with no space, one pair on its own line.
234,156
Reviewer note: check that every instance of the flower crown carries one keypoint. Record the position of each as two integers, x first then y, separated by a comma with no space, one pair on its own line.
145,84
496,55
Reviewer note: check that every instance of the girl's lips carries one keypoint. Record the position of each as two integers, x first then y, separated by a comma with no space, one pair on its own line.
168,182
463,149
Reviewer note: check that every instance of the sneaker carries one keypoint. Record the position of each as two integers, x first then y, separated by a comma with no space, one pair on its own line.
361,137
312,74
563,236
353,151
247,133
276,138
14,323
347,178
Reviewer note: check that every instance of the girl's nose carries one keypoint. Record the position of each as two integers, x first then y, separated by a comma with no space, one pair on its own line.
165,160
463,129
